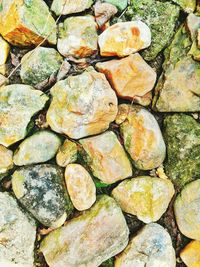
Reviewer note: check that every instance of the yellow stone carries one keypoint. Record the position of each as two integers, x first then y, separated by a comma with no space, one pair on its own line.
67,153
146,197
131,77
80,186
4,52
190,255
124,38
6,160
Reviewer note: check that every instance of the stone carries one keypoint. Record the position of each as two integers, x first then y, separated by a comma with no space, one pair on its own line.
187,6
82,105
152,247
190,255
120,4
17,234
65,7
103,12
39,64
131,77
161,17
142,136
4,53
41,190
78,37
146,197
18,103
187,210
193,24
26,22
39,147
67,153
198,38
6,161
80,186
92,238
106,157
124,38
182,137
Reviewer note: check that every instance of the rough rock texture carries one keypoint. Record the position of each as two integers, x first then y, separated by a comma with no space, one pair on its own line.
78,37
146,197
39,65
17,234
124,38
39,147
18,103
67,153
106,157
131,77
80,186
152,247
193,25
190,255
6,161
4,53
182,136
41,190
187,6
66,7
82,105
91,238
103,12
26,22
161,17
142,136
187,210
120,4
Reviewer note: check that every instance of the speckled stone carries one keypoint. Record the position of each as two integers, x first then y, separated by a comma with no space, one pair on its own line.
92,238
190,255
67,153
6,161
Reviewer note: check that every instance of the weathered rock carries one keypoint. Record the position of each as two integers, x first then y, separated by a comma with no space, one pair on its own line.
26,22
106,157
124,38
39,147
78,37
120,4
161,17
146,197
187,6
198,38
17,234
80,186
38,65
190,255
4,52
65,7
41,190
6,161
142,136
187,210
131,77
193,24
82,105
18,103
91,238
182,136
152,247
103,12
67,153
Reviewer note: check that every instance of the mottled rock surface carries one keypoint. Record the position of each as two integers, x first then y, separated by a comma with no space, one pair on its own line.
103,12
152,247
18,103
142,136
190,255
182,136
120,4
187,210
67,153
80,186
187,6
6,161
82,105
41,190
106,157
78,37
93,237
38,65
66,7
146,197
17,234
124,38
4,53
26,22
39,147
131,77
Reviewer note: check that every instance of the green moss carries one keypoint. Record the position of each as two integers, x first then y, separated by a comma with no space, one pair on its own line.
187,5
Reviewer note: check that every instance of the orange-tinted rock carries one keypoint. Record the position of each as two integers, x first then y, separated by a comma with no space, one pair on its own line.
124,38
190,255
103,12
131,77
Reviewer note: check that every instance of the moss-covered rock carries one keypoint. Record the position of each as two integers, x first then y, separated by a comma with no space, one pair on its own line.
18,103
41,190
91,238
38,65
182,136
67,153
6,161
187,6
120,4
